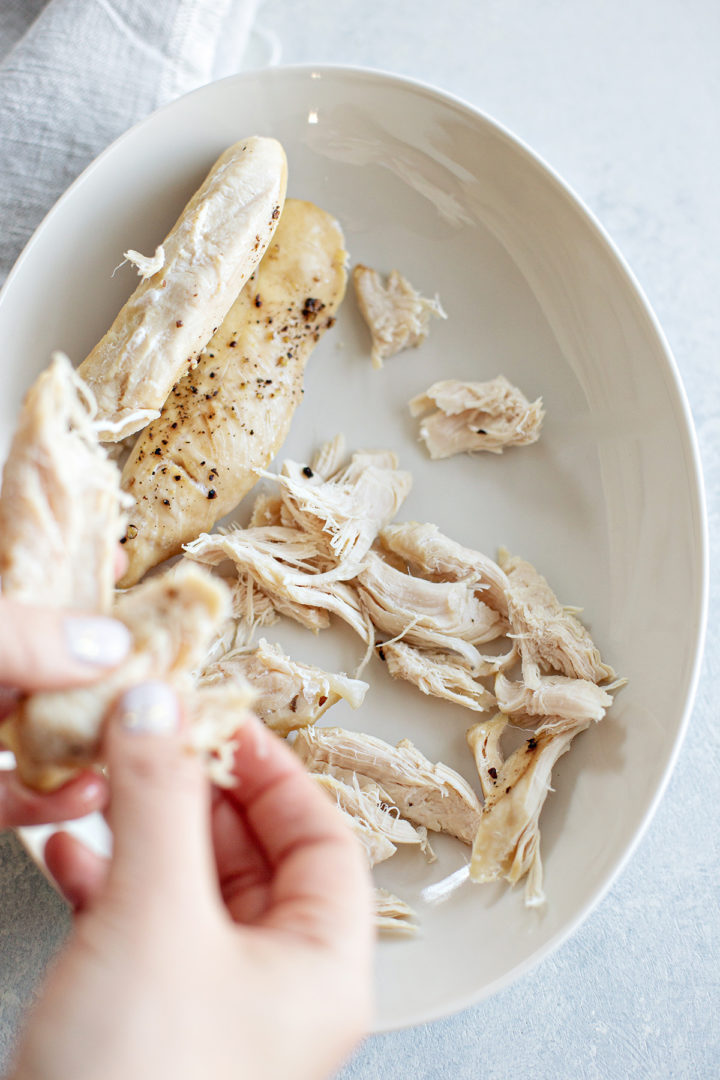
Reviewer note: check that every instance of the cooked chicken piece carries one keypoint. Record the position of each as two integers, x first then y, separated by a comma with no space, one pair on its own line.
228,418
378,827
427,794
207,257
267,510
550,638
329,458
61,506
290,695
436,673
556,695
507,842
272,558
439,558
433,614
474,416
397,316
484,741
393,915
172,618
214,715
345,513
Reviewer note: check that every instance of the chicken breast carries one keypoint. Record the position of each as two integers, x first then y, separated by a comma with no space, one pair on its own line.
425,793
397,316
61,508
507,842
186,291
556,695
172,619
289,695
473,416
549,636
229,417
439,674
439,558
378,827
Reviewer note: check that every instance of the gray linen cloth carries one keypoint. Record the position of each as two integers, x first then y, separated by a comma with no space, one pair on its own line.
75,74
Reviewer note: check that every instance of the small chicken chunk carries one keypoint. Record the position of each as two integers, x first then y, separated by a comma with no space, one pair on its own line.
549,636
473,416
439,674
393,915
289,695
397,316
556,695
425,793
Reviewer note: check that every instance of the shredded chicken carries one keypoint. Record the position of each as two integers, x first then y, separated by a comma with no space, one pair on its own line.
427,794
397,316
549,636
507,842
146,265
289,695
378,826
439,558
556,695
393,915
438,674
473,416
61,511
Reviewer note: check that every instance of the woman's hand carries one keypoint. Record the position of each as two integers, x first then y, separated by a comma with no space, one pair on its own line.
229,936
47,649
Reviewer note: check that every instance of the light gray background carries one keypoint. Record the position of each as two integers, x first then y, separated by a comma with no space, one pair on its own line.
622,98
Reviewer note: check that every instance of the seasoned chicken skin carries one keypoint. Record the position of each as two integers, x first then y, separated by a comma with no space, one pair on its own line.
229,416
207,257
425,793
61,510
474,416
397,316
289,694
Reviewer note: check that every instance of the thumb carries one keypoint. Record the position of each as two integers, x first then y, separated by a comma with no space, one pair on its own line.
159,801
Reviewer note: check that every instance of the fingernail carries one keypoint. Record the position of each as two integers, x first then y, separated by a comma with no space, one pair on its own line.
149,709
97,640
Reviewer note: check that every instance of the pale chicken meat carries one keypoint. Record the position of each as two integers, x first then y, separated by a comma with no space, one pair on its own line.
393,916
447,616
473,416
378,826
556,696
426,793
228,418
61,509
507,841
172,619
438,674
549,636
439,558
397,316
187,289
289,694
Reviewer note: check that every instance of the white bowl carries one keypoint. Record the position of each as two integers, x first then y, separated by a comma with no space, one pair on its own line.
608,504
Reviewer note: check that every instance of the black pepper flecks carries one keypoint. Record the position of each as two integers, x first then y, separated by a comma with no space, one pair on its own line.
493,772
212,494
307,471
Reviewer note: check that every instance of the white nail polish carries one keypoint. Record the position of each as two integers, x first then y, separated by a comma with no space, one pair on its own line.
97,640
149,709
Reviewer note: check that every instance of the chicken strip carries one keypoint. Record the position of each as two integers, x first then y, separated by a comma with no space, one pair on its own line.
549,636
186,292
439,558
397,316
473,416
436,673
377,826
507,842
61,509
427,794
172,619
290,695
556,695
228,418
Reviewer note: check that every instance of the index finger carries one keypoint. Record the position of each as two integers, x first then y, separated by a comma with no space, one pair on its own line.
320,888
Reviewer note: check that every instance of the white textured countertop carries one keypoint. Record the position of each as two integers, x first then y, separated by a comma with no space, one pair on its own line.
622,98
